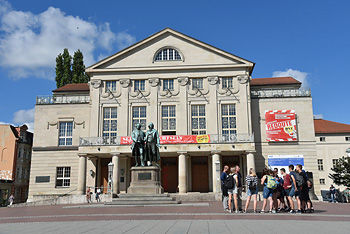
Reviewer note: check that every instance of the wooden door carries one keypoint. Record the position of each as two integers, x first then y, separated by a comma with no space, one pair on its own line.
200,177
169,176
104,174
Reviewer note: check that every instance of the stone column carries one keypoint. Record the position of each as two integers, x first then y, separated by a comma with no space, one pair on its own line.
182,172
216,173
115,161
81,174
250,162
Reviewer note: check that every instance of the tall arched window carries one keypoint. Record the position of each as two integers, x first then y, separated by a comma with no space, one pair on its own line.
168,54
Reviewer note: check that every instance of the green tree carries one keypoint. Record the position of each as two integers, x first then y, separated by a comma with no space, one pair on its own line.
78,68
66,73
59,71
341,175
67,64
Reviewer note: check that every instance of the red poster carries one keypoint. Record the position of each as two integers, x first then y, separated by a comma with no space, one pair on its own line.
280,125
178,139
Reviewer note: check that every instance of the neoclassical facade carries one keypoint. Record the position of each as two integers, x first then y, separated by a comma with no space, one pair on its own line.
202,100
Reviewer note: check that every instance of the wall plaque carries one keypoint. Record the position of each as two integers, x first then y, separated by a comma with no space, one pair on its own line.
42,179
144,176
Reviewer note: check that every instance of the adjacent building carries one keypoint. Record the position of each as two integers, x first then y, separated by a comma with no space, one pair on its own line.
332,143
15,149
203,101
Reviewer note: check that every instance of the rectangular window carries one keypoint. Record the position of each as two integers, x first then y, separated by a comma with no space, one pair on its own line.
168,84
65,133
168,120
227,82
322,181
334,161
197,83
347,138
139,85
111,85
110,124
228,119
320,164
322,139
63,177
198,120
139,116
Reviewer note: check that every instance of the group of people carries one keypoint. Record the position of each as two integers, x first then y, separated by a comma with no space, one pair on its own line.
278,191
89,194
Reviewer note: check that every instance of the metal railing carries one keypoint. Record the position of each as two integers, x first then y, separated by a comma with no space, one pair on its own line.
231,138
48,100
276,93
214,139
91,141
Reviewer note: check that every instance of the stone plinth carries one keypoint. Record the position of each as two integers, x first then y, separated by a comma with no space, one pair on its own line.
145,180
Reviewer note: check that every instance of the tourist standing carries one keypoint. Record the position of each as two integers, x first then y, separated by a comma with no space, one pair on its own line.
11,199
224,189
98,192
88,195
239,189
270,191
301,181
286,186
231,184
252,189
333,193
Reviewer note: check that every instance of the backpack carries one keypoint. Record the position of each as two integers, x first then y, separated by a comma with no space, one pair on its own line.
299,179
229,182
271,182
252,185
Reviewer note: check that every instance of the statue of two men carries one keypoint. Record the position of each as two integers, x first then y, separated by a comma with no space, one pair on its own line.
145,146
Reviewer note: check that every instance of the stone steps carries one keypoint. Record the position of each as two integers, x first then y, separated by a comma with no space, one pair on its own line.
143,199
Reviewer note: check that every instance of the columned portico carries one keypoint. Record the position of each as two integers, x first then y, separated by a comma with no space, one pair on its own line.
115,161
183,172
216,171
81,174
250,162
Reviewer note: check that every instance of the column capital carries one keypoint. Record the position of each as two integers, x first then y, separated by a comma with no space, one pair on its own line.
82,155
216,152
115,154
250,151
182,153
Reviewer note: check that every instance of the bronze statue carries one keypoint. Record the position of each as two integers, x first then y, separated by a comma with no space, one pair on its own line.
152,145
138,145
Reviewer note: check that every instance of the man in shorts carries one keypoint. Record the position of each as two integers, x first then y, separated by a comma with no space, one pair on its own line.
293,192
286,186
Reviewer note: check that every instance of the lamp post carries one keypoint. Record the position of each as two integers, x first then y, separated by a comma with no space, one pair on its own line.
217,169
110,177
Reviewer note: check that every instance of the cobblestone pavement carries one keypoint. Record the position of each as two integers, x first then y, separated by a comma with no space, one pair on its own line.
206,217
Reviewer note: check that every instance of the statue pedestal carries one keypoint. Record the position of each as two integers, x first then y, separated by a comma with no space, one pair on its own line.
145,180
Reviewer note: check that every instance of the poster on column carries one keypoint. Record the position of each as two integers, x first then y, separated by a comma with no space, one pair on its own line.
280,125
283,161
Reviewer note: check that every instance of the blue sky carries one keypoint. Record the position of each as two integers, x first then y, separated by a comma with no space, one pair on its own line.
309,40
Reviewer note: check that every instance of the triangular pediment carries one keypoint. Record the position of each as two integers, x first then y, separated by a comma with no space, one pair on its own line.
193,53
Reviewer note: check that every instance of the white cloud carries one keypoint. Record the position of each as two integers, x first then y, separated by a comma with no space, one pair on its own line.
298,75
25,117
29,43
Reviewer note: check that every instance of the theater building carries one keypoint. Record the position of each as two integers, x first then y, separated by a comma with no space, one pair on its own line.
202,100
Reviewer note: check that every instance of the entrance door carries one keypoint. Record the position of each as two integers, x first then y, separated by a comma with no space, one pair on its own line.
230,161
104,173
200,177
169,174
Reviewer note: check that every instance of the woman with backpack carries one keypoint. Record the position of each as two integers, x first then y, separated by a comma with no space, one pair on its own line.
231,185
252,185
270,191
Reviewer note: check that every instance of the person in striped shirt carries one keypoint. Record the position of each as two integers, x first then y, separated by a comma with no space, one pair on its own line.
252,189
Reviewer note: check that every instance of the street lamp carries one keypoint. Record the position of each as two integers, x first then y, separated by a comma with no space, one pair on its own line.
110,177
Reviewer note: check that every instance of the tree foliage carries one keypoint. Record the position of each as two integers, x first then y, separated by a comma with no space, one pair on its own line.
341,175
59,70
68,73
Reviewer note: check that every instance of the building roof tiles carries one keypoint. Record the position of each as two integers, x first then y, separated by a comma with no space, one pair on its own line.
73,88
326,126
275,81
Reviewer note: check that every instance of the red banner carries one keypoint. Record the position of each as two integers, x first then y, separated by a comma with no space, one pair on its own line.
280,125
178,139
